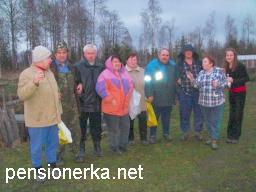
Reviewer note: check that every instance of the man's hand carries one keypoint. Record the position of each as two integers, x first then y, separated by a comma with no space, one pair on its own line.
39,76
179,81
79,88
150,99
190,76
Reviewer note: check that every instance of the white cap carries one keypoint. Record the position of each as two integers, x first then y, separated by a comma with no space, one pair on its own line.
40,53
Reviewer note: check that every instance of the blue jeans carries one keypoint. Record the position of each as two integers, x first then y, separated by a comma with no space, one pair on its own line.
43,136
165,113
212,117
189,102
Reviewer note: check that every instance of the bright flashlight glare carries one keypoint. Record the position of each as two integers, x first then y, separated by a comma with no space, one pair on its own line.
159,75
147,78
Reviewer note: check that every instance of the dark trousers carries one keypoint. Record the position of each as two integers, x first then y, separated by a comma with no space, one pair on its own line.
165,113
94,124
236,110
142,117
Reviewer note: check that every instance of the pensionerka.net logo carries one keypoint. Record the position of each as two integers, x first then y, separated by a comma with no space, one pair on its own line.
72,173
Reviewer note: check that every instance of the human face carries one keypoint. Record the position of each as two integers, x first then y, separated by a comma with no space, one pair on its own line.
207,65
164,56
116,64
230,57
45,64
188,54
61,55
132,62
90,55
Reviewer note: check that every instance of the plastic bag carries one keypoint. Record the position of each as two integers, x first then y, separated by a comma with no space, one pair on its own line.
134,105
64,134
151,117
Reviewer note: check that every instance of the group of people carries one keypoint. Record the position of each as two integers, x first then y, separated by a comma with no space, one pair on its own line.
55,90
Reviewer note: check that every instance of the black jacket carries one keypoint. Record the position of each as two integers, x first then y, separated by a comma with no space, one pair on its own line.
239,75
88,74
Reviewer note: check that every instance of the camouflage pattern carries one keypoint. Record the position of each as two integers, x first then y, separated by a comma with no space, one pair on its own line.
70,115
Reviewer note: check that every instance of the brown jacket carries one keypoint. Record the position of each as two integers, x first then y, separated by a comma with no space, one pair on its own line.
137,76
42,106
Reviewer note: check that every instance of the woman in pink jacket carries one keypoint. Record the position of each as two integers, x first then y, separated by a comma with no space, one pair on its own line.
115,86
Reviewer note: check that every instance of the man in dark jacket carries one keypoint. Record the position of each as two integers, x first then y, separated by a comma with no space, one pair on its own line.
86,74
160,90
188,61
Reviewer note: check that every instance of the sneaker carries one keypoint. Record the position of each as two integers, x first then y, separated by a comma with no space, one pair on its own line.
144,142
80,158
214,145
184,137
167,138
198,136
208,141
229,140
116,151
60,162
40,178
152,140
123,149
234,141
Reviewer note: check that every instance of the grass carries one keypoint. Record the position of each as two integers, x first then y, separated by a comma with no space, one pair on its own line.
179,166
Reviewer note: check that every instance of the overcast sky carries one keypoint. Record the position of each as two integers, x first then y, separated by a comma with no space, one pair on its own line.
187,13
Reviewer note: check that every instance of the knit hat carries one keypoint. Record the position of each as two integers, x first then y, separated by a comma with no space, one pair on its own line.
61,45
40,53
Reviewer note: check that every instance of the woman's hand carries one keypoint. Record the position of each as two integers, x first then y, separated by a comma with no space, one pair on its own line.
215,83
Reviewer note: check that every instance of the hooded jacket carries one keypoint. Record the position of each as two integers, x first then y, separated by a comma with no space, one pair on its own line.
181,70
160,82
115,90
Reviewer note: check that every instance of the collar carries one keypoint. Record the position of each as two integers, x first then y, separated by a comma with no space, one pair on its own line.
130,69
58,63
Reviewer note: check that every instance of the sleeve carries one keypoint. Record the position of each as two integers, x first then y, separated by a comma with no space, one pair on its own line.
101,87
243,77
222,79
77,75
26,87
148,78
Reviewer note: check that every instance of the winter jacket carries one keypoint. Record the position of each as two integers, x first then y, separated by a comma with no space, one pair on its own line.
182,68
89,100
160,82
42,106
115,90
240,77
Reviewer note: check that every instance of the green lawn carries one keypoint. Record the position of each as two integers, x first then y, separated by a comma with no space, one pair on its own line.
178,166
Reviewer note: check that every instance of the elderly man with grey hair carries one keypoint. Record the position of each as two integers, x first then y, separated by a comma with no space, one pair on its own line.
86,75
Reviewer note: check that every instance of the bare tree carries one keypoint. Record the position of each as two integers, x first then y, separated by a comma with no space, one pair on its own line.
210,30
248,29
31,22
166,34
152,22
11,14
231,31
97,7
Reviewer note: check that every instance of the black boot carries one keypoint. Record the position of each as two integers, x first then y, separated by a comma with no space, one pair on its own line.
97,149
81,155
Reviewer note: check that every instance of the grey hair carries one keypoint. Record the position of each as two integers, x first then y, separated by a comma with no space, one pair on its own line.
90,47
163,49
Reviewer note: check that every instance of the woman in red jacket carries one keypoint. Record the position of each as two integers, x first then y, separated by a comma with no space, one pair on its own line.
237,76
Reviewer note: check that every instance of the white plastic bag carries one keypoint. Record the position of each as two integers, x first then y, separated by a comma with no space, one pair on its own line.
67,134
134,105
